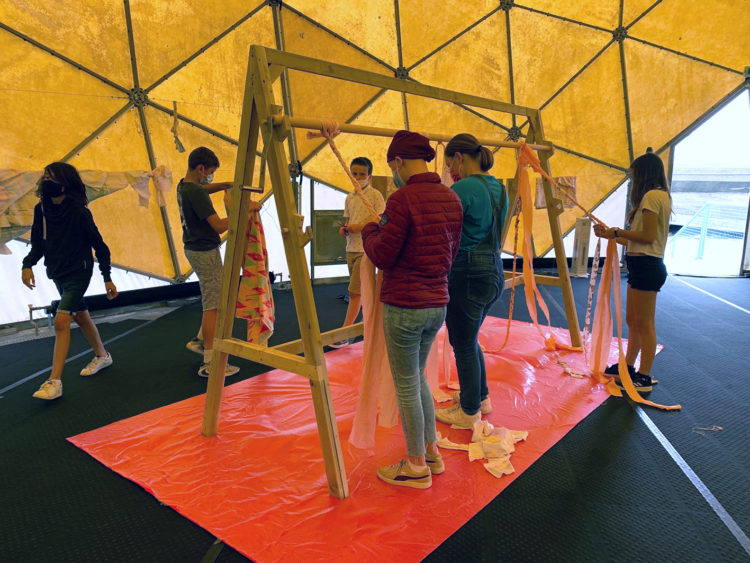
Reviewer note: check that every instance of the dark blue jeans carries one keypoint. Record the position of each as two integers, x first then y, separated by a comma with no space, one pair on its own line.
475,283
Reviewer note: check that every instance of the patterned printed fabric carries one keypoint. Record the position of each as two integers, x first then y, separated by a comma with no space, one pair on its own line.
255,299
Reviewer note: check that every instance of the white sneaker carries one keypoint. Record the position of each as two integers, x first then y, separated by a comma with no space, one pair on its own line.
485,407
203,371
97,364
455,416
340,343
195,345
50,389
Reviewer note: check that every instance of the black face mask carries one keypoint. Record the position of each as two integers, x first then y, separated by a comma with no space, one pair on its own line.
50,189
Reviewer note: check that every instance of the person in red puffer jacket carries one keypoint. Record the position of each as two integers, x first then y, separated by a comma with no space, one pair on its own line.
414,244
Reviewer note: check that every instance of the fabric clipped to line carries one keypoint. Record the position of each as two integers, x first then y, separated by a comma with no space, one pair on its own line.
495,444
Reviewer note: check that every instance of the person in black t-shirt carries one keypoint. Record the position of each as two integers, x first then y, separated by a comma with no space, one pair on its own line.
201,227
64,232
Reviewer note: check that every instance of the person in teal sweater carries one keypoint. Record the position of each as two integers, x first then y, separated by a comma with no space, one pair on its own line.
476,277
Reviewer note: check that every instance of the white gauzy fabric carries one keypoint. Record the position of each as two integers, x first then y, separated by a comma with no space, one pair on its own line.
488,442
18,193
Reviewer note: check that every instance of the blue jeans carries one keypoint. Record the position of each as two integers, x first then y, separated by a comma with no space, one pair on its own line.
409,334
474,284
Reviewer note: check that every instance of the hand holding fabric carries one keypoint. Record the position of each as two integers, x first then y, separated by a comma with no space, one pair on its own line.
603,232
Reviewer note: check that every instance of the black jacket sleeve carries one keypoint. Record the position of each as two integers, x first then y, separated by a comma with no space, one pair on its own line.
37,238
98,244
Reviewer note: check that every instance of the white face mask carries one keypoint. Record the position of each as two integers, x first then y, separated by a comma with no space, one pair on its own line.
208,179
364,183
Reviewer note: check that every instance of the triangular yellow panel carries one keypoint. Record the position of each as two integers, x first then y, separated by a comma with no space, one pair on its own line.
318,96
135,235
425,29
48,106
602,13
167,33
589,115
718,32
370,25
545,60
385,112
633,9
435,116
463,65
209,91
120,145
664,103
165,152
89,33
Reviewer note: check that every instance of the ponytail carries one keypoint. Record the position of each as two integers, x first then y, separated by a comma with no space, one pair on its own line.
465,143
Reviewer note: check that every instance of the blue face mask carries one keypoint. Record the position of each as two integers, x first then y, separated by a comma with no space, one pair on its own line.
208,179
397,180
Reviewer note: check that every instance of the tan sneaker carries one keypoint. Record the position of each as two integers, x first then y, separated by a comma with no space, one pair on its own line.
401,475
435,463
485,407
455,416
50,389
97,364
205,368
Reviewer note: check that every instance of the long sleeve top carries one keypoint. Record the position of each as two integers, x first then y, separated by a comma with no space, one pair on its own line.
415,243
64,235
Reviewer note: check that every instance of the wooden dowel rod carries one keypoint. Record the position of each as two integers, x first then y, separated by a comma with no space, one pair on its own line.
317,124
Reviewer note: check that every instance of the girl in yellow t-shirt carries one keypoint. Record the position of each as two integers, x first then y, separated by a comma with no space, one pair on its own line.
645,241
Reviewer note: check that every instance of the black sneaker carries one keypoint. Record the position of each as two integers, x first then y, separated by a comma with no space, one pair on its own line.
614,371
642,382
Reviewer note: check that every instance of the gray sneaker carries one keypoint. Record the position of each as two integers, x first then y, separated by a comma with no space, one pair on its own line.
485,407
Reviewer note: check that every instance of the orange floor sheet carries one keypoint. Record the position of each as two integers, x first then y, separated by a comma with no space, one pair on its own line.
260,485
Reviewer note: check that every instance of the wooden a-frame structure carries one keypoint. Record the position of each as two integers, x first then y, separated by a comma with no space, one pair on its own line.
262,117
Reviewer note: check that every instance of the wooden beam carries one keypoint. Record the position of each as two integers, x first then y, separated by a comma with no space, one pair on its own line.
316,125
341,72
266,356
343,333
554,210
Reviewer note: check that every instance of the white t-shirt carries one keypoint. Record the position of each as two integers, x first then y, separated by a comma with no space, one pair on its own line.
659,202
356,211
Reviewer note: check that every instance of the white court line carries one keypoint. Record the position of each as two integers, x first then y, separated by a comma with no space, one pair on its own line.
713,502
84,353
712,295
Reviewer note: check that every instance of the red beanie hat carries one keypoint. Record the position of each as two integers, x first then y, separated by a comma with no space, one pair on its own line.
410,146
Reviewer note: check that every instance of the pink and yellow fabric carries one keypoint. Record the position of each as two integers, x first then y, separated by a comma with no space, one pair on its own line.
526,159
255,298
376,403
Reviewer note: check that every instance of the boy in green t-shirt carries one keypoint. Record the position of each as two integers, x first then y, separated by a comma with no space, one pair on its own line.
201,227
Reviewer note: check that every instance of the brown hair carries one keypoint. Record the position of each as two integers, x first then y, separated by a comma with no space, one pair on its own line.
465,143
647,174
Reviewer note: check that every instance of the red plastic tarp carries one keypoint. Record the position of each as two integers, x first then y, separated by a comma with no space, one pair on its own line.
260,484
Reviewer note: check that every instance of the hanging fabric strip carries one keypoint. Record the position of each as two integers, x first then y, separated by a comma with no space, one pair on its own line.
601,332
254,297
330,130
376,391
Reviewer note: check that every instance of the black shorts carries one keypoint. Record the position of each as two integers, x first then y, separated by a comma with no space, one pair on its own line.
646,273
